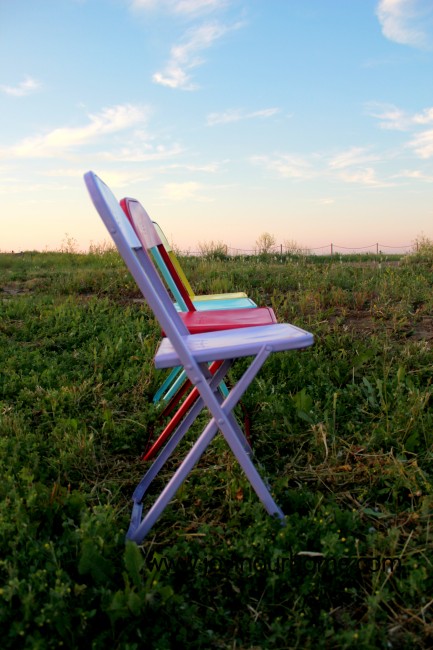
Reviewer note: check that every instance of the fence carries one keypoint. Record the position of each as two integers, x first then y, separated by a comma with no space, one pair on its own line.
327,249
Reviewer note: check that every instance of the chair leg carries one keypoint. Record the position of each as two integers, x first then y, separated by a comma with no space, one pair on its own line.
137,532
222,419
175,386
176,437
166,452
223,414
166,384
177,418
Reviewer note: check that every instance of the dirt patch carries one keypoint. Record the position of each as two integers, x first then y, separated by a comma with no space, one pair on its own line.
15,289
423,330
420,329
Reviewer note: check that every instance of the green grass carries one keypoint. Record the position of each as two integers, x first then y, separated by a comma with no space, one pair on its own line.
343,431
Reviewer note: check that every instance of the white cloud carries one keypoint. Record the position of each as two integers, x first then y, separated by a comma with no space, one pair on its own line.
365,176
426,117
108,121
326,201
183,57
236,115
174,77
422,144
352,157
184,7
349,166
408,22
198,6
285,165
187,191
395,118
144,152
415,174
392,117
207,168
22,89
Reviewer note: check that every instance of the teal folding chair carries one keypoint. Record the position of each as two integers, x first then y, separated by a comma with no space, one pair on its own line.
152,237
224,300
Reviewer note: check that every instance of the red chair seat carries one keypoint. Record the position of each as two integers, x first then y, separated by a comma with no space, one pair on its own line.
199,322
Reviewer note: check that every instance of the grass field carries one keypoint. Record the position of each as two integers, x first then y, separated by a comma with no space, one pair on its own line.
343,431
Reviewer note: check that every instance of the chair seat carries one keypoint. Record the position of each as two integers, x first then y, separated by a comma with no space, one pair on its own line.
198,322
235,343
220,296
220,303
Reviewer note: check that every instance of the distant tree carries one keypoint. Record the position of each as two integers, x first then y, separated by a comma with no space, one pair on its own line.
265,243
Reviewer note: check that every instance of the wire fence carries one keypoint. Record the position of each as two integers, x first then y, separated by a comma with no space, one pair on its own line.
327,249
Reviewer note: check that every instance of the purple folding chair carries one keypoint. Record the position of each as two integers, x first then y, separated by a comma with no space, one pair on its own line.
194,352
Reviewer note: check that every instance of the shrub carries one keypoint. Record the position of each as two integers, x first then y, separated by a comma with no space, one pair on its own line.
213,250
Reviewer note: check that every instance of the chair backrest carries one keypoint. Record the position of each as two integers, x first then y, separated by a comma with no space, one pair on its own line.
139,264
171,254
150,239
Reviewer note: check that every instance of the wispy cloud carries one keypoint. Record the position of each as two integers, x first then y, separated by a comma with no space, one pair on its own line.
350,166
408,22
395,118
354,165
25,87
354,156
426,117
60,140
186,191
326,201
390,116
422,144
236,115
286,165
184,56
206,168
365,176
415,174
144,151
184,7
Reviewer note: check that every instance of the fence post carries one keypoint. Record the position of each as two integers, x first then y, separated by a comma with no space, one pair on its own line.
332,249
377,249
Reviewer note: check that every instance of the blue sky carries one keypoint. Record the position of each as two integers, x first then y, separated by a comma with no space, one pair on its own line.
308,119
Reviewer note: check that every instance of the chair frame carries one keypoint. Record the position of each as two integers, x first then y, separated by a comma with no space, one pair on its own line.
193,352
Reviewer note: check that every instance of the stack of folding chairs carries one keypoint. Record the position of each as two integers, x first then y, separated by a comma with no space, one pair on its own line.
202,338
